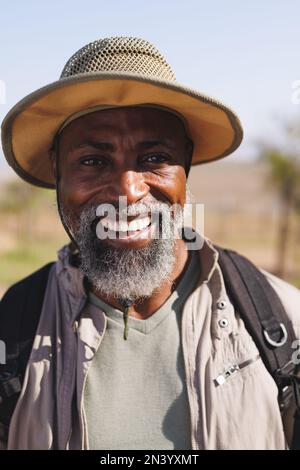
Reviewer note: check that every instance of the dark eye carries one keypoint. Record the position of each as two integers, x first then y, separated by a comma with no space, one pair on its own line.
92,161
156,158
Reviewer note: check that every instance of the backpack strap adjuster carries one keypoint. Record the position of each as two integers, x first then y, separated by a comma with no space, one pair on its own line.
281,342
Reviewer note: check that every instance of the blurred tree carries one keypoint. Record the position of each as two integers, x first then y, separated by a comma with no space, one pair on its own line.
16,196
284,177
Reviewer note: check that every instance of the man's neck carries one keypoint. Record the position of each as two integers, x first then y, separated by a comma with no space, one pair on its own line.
147,307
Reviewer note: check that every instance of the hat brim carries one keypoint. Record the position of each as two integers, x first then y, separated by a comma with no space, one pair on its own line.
29,128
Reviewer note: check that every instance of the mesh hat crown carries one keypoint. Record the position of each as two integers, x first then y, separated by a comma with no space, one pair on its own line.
119,54
112,72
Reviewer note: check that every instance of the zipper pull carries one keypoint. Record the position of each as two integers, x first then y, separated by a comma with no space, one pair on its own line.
221,379
75,327
126,315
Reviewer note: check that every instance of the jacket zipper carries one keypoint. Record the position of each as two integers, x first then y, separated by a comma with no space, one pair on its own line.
75,331
232,369
83,425
192,396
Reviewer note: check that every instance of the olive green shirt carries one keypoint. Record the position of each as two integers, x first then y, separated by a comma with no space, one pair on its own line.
135,394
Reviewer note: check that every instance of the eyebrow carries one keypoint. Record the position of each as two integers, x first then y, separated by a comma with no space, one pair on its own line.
155,143
91,143
144,145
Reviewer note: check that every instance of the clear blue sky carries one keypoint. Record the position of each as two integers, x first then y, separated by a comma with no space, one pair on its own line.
245,53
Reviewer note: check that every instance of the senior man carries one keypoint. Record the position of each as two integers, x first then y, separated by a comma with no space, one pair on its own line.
133,329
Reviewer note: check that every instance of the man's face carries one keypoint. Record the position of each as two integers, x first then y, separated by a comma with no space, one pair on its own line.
139,153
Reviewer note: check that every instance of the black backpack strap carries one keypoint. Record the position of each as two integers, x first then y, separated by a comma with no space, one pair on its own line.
20,310
267,322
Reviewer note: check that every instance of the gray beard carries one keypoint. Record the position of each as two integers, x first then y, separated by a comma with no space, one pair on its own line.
131,274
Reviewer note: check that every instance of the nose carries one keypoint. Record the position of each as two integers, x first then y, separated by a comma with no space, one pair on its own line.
132,185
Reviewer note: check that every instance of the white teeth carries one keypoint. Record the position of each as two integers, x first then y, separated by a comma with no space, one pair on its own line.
122,226
143,223
133,225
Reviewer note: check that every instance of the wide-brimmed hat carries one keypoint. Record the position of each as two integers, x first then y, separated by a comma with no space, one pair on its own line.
118,71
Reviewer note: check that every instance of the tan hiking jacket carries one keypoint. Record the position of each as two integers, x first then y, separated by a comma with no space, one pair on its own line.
242,413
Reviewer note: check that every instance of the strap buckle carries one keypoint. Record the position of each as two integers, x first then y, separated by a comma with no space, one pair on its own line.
281,342
9,386
288,382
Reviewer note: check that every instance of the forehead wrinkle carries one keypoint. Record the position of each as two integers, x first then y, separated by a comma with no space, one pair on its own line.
128,122
107,136
99,145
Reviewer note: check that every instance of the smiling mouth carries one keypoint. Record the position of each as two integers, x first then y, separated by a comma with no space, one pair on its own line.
140,226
